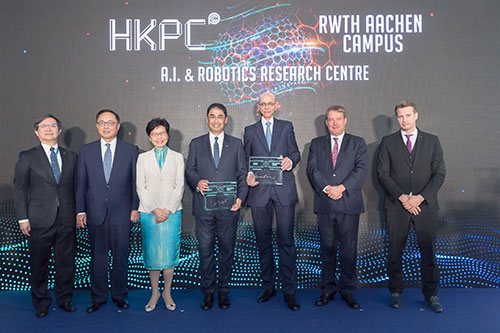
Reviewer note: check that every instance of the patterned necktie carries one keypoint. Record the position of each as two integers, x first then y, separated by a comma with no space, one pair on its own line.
268,135
408,142
54,164
335,151
216,152
107,162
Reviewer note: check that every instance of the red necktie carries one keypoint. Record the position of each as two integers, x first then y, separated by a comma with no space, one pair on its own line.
335,151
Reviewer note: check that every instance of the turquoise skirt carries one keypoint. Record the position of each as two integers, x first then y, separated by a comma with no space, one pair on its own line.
161,242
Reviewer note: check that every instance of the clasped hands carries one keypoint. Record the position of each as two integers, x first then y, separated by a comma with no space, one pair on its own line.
203,186
286,163
335,192
412,203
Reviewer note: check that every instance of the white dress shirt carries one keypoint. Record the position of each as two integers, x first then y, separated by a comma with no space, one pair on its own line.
112,147
220,141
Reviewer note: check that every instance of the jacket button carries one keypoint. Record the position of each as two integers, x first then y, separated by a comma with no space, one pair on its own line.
334,175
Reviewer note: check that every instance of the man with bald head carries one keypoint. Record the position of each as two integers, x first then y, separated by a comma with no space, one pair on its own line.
271,137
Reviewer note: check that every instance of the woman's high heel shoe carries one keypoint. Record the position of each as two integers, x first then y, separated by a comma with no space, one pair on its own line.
170,306
151,306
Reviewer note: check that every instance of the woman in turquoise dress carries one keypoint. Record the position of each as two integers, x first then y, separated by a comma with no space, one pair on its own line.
160,186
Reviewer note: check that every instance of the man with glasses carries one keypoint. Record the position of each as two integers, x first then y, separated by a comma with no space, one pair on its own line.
45,208
271,137
107,202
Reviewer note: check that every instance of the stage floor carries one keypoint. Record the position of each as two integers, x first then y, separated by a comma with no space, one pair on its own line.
465,310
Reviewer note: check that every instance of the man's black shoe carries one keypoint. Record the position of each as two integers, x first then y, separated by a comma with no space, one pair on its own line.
122,304
351,301
266,295
396,301
207,302
68,307
433,303
42,312
224,302
94,307
291,302
323,299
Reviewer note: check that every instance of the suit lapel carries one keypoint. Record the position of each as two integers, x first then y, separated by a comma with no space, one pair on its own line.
343,148
261,136
209,150
402,148
65,161
277,129
42,157
327,146
225,148
116,159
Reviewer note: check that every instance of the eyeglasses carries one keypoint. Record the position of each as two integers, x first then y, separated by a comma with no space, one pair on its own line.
47,125
159,134
270,104
103,123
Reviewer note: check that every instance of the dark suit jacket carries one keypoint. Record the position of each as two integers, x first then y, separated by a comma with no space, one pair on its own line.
350,170
37,195
200,165
421,172
97,198
283,143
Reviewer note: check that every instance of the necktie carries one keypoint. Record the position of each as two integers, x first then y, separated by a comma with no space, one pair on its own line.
107,162
408,142
335,151
216,152
268,135
54,164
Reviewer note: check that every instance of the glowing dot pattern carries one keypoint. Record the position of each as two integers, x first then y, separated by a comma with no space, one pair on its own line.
468,256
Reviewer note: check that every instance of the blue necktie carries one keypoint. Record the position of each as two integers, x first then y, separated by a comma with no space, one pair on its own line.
268,135
216,152
54,164
107,162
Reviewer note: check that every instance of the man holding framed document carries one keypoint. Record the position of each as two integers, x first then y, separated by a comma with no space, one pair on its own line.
272,153
216,170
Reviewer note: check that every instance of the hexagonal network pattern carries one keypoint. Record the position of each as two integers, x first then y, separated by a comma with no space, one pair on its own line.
270,38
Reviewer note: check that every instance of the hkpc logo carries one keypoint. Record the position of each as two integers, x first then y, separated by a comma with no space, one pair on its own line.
133,34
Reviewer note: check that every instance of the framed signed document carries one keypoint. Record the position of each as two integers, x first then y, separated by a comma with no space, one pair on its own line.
267,170
220,195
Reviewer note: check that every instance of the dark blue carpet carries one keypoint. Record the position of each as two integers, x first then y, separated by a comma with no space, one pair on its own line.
465,310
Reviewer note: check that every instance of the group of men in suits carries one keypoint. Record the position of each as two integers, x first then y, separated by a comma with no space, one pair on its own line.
52,186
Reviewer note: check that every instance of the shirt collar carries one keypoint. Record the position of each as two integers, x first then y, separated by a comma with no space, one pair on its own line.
264,121
339,137
112,143
46,147
212,136
413,134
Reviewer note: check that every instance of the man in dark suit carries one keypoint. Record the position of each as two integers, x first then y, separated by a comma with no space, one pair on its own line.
216,157
337,168
272,137
411,169
106,202
45,208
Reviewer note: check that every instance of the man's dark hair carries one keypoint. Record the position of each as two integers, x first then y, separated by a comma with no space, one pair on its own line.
217,106
155,122
110,111
45,116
